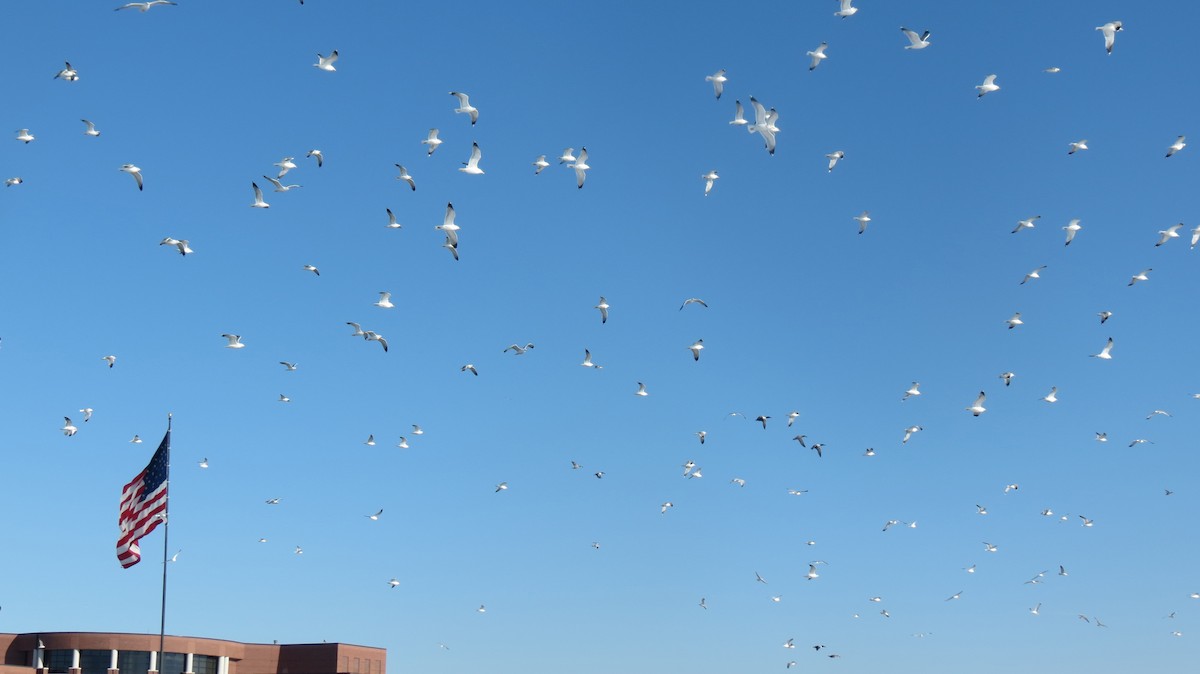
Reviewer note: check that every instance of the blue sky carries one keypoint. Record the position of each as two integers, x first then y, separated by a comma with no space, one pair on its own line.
804,314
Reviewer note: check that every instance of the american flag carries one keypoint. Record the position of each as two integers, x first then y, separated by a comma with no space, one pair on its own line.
143,504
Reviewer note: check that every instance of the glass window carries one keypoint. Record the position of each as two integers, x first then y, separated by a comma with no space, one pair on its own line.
59,660
133,662
94,662
204,664
172,663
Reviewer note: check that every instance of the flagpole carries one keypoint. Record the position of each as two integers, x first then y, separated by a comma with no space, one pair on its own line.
162,624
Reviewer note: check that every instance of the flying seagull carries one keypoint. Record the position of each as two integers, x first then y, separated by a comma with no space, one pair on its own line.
603,307
320,157
112,360
286,164
817,55
587,362
432,141
989,85
540,164
326,62
1106,352
24,136
1110,34
235,341
392,223
1077,146
1176,146
709,178
144,6
739,115
464,106
406,177
1140,276
471,166
693,300
846,10
133,171
67,73
469,367
309,267
1072,228
695,348
908,433
916,41
580,166
761,126
833,158
375,337
1025,224
1035,274
862,219
180,244
977,407
914,390
1165,235
280,187
718,80
258,198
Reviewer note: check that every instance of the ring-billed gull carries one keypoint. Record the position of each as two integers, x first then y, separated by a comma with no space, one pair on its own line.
916,41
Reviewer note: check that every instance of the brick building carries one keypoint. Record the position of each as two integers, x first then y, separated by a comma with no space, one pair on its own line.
112,653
